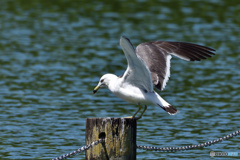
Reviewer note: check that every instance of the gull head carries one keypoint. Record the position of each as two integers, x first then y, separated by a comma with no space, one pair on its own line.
105,81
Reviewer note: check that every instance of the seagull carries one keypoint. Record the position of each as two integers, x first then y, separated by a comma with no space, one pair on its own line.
149,67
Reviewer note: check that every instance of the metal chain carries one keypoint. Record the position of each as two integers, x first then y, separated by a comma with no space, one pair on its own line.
173,149
84,148
167,149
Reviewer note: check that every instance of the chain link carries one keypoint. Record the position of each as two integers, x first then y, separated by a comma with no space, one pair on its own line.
164,149
84,148
173,149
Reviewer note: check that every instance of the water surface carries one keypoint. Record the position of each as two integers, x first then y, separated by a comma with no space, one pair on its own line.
52,54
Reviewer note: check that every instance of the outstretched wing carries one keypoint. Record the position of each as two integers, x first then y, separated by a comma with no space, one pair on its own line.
157,55
137,73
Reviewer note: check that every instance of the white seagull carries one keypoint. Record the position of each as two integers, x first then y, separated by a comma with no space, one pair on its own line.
148,67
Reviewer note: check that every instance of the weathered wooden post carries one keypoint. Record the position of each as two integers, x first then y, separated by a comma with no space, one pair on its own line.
120,138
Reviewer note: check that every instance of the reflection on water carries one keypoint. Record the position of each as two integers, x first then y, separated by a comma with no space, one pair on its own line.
52,54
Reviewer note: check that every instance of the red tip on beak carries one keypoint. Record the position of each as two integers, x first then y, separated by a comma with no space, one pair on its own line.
94,91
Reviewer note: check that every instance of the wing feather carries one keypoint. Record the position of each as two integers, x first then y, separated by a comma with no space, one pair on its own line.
137,72
156,54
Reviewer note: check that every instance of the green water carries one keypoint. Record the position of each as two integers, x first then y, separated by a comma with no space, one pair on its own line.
52,54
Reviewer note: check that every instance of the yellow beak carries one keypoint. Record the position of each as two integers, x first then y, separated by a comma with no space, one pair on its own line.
96,89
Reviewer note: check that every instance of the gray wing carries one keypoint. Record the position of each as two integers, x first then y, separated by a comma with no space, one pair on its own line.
157,55
137,73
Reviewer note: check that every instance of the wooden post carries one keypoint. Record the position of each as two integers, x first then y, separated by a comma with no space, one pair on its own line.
120,138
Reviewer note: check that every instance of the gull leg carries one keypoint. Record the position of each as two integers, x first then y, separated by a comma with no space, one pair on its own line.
145,108
140,107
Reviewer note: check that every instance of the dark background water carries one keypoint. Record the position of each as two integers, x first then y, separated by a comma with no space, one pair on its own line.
52,54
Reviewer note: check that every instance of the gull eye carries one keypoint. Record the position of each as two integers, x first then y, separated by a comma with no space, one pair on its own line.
101,80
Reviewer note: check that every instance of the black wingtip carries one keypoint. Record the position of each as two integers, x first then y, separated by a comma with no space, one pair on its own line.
125,37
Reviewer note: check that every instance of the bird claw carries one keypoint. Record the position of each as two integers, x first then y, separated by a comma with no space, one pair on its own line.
129,117
133,117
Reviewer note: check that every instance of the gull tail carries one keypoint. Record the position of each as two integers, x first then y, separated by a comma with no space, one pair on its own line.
165,105
170,109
